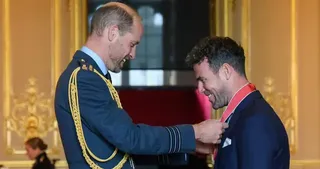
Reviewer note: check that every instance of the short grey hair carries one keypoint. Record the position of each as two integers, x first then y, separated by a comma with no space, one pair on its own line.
112,14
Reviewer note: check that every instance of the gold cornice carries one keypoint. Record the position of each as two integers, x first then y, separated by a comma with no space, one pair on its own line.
294,72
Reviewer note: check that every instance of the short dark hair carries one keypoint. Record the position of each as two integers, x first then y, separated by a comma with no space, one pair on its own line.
218,50
111,15
36,142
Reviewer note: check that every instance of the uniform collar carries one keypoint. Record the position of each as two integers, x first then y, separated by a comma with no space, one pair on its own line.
41,155
96,59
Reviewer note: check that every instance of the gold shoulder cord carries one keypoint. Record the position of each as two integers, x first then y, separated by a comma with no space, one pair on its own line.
75,111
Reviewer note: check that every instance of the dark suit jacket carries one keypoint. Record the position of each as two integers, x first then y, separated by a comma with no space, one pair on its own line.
42,162
106,126
258,138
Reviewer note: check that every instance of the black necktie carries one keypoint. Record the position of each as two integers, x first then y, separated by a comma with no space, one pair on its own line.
108,76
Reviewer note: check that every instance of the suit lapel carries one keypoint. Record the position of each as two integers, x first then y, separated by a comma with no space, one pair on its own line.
235,117
238,111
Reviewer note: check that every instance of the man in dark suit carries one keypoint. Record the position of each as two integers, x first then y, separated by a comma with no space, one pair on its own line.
95,130
256,137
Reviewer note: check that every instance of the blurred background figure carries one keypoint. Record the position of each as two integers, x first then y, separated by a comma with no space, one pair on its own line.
3,167
35,148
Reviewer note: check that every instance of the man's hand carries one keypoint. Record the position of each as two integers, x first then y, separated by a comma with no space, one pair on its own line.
203,148
209,131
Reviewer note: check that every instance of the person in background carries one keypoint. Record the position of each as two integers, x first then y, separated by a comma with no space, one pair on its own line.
36,148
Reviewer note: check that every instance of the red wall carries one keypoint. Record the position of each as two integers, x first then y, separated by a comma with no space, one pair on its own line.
165,106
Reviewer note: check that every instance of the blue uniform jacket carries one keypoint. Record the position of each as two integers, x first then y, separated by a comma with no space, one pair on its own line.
106,129
255,139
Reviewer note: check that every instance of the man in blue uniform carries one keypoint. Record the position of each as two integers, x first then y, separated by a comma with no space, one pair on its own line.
95,131
256,138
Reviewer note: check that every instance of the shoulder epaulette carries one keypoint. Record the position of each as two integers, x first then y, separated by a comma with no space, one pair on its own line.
41,159
84,65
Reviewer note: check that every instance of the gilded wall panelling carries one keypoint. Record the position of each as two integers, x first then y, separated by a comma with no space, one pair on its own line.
21,113
286,104
29,113
281,103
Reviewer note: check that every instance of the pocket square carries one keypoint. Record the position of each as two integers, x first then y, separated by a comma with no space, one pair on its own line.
226,143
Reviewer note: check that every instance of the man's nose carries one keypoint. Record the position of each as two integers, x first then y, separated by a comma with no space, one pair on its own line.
200,88
133,53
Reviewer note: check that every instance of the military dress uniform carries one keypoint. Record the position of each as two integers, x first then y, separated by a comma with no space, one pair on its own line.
95,130
42,162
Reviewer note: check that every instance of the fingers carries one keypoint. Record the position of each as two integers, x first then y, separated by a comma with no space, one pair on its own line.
225,125
218,140
210,131
204,148
220,130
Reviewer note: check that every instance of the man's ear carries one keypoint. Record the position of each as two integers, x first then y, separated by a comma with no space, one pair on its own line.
113,32
226,71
